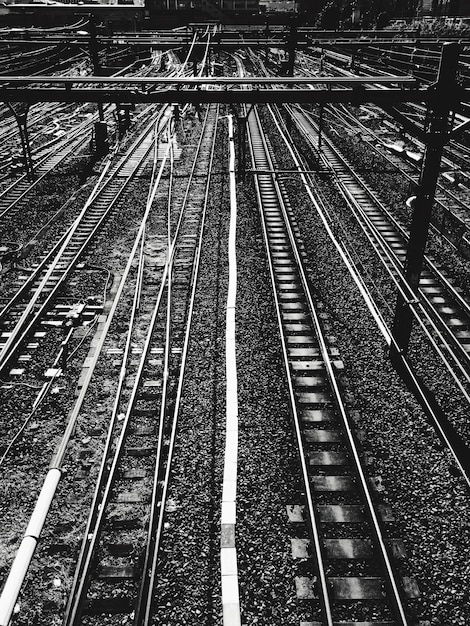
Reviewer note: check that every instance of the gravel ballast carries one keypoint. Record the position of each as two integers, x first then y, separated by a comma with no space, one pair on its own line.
430,506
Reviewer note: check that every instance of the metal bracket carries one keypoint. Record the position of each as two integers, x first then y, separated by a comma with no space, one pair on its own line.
409,126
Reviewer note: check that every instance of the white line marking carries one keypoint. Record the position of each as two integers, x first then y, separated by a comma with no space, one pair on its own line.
228,551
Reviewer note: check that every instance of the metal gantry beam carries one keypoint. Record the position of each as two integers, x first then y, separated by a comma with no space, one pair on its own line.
220,81
170,43
230,96
166,43
244,34
226,90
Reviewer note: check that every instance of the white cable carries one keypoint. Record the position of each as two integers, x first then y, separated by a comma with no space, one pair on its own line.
228,551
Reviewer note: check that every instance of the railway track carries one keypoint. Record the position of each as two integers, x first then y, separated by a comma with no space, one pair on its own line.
442,304
49,156
450,216
14,197
36,293
41,116
455,152
49,57
38,115
118,563
438,295
351,562
347,562
25,310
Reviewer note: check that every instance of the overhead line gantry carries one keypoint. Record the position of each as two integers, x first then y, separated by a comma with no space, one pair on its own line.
227,90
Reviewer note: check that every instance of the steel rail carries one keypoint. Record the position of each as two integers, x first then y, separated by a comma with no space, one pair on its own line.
350,120
463,303
449,148
37,56
31,538
459,152
385,331
205,56
459,228
35,117
428,312
26,320
29,282
254,126
458,458
143,614
103,484
427,84
394,268
395,595
145,589
395,599
444,331
29,318
172,441
73,140
54,59
78,595
77,133
186,60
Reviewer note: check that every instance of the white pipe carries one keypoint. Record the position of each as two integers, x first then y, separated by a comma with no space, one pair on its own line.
27,547
15,579
43,503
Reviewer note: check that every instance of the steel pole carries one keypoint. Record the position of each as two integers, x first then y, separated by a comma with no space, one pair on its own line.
95,59
437,135
292,45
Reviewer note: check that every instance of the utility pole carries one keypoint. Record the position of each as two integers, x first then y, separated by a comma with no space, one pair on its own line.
438,132
20,111
292,45
241,131
101,129
267,35
320,126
